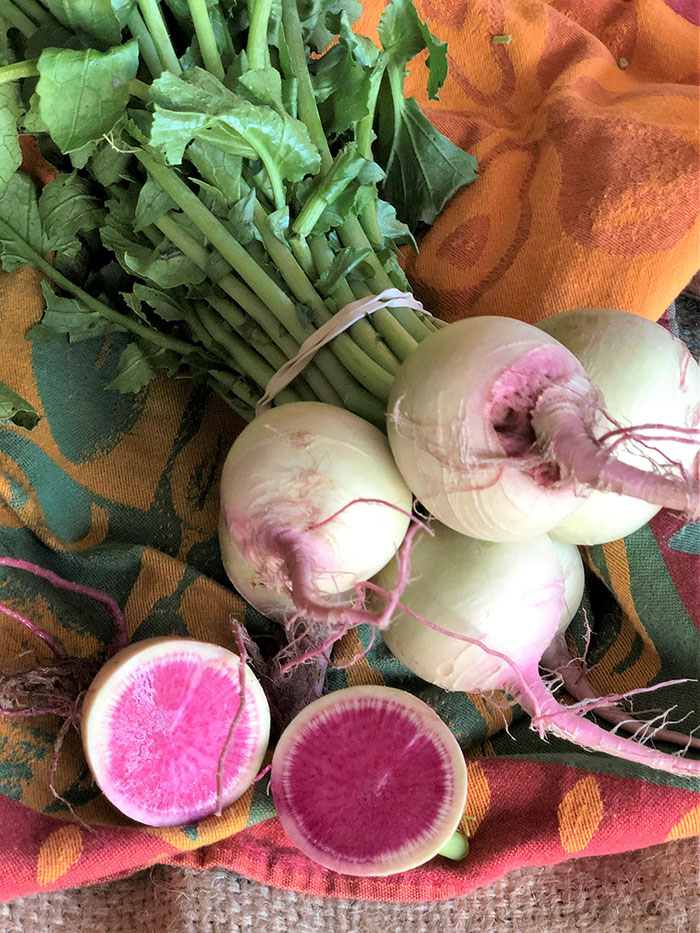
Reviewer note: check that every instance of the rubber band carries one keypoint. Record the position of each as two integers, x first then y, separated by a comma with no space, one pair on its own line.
341,320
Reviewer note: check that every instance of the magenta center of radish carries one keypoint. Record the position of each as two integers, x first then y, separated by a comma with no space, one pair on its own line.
366,782
170,721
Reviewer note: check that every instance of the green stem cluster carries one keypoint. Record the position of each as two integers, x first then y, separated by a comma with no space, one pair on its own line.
255,320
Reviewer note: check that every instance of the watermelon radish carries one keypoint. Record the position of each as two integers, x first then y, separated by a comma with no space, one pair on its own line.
369,781
155,722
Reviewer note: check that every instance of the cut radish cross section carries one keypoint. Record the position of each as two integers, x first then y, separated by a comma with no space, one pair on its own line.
155,721
370,781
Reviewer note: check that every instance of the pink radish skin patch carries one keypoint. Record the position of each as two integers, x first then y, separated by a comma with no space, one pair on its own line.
369,781
155,721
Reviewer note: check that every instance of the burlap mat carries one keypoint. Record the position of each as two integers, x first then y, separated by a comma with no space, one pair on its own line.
649,891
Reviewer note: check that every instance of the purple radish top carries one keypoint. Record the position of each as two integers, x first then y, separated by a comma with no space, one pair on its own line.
155,721
369,781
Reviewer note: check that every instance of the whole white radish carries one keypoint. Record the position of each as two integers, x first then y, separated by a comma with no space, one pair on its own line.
478,616
313,502
647,377
494,426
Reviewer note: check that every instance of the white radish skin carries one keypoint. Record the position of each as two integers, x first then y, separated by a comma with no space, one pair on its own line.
574,581
498,606
493,424
289,492
646,376
277,606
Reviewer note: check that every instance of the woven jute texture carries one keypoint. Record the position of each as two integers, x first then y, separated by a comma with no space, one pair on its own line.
649,891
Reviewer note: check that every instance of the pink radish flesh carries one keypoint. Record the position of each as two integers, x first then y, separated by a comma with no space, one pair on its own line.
155,722
369,781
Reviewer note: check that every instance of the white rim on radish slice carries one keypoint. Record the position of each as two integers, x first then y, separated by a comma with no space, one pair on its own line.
370,781
154,725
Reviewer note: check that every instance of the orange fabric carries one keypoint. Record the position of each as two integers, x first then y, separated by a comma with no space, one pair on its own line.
590,191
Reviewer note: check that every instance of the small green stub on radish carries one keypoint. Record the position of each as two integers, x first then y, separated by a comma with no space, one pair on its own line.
370,781
156,721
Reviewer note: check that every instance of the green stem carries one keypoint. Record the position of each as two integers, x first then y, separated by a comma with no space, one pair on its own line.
139,89
351,393
17,19
206,38
240,408
25,69
362,332
257,48
244,358
456,847
273,174
303,255
93,304
153,18
147,49
36,12
251,304
308,110
237,386
352,234
345,168
377,380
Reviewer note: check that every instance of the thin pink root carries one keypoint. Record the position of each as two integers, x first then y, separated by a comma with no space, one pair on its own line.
54,643
565,429
291,547
575,682
121,635
549,715
242,660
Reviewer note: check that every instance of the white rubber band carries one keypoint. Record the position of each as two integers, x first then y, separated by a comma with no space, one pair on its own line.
341,320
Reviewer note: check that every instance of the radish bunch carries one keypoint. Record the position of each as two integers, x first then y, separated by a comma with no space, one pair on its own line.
505,433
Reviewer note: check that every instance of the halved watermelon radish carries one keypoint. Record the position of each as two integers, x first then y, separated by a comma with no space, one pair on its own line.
155,721
370,781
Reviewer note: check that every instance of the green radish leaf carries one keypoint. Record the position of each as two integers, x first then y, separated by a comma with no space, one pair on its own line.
138,365
220,169
164,305
264,86
20,211
162,265
80,157
362,49
279,222
394,232
319,20
403,35
342,87
32,121
423,168
343,263
103,19
16,410
10,154
68,206
108,165
84,93
69,316
153,203
197,106
240,219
